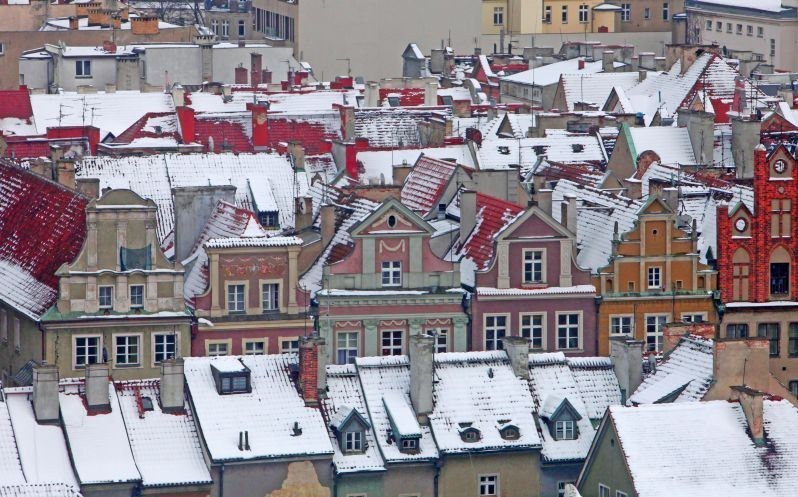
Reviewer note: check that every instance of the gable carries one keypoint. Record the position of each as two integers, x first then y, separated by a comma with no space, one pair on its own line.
392,218
534,223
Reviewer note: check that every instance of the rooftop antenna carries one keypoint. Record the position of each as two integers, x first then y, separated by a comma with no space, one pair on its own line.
348,66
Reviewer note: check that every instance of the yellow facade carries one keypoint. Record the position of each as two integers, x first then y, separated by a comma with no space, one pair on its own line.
519,17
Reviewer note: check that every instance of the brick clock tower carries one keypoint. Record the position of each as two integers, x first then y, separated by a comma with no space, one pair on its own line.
758,279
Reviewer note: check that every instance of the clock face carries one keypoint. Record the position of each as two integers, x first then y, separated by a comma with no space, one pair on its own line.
780,166
740,225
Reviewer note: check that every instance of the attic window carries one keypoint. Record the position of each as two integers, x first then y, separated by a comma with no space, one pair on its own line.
565,430
393,101
140,258
577,147
470,435
146,404
409,445
231,376
392,221
504,150
269,219
510,432
447,100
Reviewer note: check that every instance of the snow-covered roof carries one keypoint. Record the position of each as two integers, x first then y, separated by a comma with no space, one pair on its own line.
400,414
10,466
394,126
378,164
595,88
166,446
262,241
85,431
480,390
39,490
529,292
390,376
558,146
550,73
688,434
672,145
597,383
684,375
269,412
41,466
492,215
154,177
765,6
343,390
425,184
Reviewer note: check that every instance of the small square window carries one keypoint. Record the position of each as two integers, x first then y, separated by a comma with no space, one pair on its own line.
353,441
565,430
255,347
165,346
622,325
488,485
216,349
83,68
106,297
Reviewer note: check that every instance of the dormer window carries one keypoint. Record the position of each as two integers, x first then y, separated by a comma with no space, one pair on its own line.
350,428
470,434
146,404
509,432
353,441
269,219
409,445
561,417
565,430
231,376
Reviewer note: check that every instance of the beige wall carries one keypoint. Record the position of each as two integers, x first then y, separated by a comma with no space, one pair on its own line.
638,22
31,17
519,474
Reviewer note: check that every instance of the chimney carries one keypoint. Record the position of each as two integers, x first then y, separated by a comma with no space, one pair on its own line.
193,205
608,61
66,172
745,140
327,224
172,385
260,126
468,213
256,68
144,25
43,167
701,128
45,393
752,403
661,64
670,196
297,151
517,349
431,93
568,217
372,95
74,23
544,200
90,187
178,95
627,361
580,64
647,60
641,75
241,75
185,118
312,368
401,172
97,398
421,347
109,46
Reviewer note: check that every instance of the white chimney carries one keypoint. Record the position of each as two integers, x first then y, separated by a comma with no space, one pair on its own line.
421,347
97,397
517,349
172,385
431,93
45,393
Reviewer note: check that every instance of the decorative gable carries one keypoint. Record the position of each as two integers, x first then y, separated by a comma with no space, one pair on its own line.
392,218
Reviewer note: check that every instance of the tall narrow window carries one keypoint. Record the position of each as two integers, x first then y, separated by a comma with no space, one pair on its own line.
532,328
568,331
347,346
495,331
654,278
533,266
564,14
498,16
136,296
792,346
771,332
547,14
779,278
242,28
583,13
235,298
780,218
270,297
666,11
225,28
626,12
654,331
106,297
741,268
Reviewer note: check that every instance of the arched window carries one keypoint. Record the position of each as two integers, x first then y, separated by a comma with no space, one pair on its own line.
741,271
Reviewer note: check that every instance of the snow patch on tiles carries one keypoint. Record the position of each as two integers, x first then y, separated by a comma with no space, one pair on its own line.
686,371
554,290
10,466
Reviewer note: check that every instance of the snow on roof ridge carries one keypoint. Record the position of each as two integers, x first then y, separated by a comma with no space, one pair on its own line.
543,358
589,362
382,361
471,357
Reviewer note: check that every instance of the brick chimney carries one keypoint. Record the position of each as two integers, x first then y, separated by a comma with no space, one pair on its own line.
185,118
99,17
517,349
65,169
580,64
241,75
109,46
45,393
144,25
327,215
260,125
752,403
256,68
90,187
312,368
74,23
421,347
172,385
97,397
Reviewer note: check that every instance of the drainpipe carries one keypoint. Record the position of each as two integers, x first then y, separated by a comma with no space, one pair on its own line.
438,465
221,480
334,480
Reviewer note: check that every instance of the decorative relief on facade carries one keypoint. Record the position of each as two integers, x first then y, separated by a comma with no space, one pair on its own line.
398,247
272,265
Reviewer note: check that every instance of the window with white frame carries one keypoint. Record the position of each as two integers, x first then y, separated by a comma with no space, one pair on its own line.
225,28
136,296
289,346
216,349
488,485
391,342
346,346
87,350
498,16
270,297
666,11
565,430
235,298
694,317
106,297
353,441
391,273
618,493
127,350
533,266
646,13
165,346
215,27
654,277
621,325
254,347
495,331
604,490
583,13
568,331
564,15
655,324
626,12
547,14
83,68
441,339
532,328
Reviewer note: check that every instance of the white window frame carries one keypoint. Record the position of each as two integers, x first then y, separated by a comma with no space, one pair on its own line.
626,12
80,68
348,347
565,429
621,325
441,338
496,341
218,348
274,296
99,356
604,490
658,335
392,348
689,317
215,26
569,325
391,273
564,14
525,330
485,483
498,16
534,264
583,14
654,279
130,293
100,297
291,350
618,493
356,442
234,308
666,11
251,343
225,28
155,344
547,14
140,341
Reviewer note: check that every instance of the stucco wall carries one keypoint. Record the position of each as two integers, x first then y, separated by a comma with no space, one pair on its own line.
309,478
607,466
551,475
409,479
519,474
103,72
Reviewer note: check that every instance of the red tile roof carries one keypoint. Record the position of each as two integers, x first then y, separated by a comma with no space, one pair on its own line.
313,134
408,97
15,103
493,215
27,148
425,183
136,130
42,226
227,131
